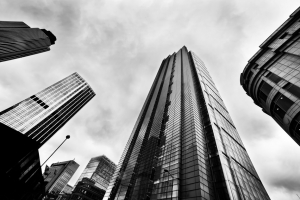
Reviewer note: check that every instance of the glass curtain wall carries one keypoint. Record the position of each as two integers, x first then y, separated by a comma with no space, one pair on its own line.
184,144
43,114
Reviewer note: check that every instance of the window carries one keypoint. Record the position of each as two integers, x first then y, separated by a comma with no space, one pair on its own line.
255,65
280,105
266,88
264,91
295,125
279,112
287,86
284,103
283,35
293,89
262,96
250,75
274,77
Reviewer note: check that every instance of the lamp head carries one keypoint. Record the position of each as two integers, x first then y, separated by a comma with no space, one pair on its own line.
68,137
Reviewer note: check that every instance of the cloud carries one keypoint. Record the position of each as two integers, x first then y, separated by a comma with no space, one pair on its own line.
63,14
117,47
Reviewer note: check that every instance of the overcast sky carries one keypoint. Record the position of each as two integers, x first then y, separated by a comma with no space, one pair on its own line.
118,46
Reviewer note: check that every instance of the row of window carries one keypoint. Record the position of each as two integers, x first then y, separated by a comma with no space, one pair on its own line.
39,101
281,103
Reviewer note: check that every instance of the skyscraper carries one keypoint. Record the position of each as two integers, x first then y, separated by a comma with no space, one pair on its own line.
20,169
272,76
67,189
18,40
99,169
40,116
184,144
87,190
58,175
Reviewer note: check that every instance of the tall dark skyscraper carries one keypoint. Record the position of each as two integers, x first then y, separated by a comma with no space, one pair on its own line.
40,116
20,171
99,169
272,76
184,144
18,40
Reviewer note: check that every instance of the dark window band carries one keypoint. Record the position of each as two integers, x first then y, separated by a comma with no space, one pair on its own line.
274,77
293,89
264,91
280,105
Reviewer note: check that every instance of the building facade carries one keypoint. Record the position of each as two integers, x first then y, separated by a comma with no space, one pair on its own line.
18,40
67,189
21,173
58,175
40,116
99,169
272,76
63,197
66,193
184,144
86,190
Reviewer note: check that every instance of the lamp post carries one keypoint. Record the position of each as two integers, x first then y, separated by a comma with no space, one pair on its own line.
67,137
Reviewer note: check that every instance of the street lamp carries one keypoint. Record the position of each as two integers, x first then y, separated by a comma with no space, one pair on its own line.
67,137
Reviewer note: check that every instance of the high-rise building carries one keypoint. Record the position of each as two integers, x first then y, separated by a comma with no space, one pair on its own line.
20,171
99,169
86,190
66,193
40,116
272,76
58,175
67,189
18,40
184,144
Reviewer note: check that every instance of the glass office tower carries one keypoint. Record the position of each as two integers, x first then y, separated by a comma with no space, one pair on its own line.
40,116
184,144
18,40
100,169
58,175
67,189
87,190
272,76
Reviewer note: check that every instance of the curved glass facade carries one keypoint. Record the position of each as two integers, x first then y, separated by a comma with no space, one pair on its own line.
272,76
184,144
